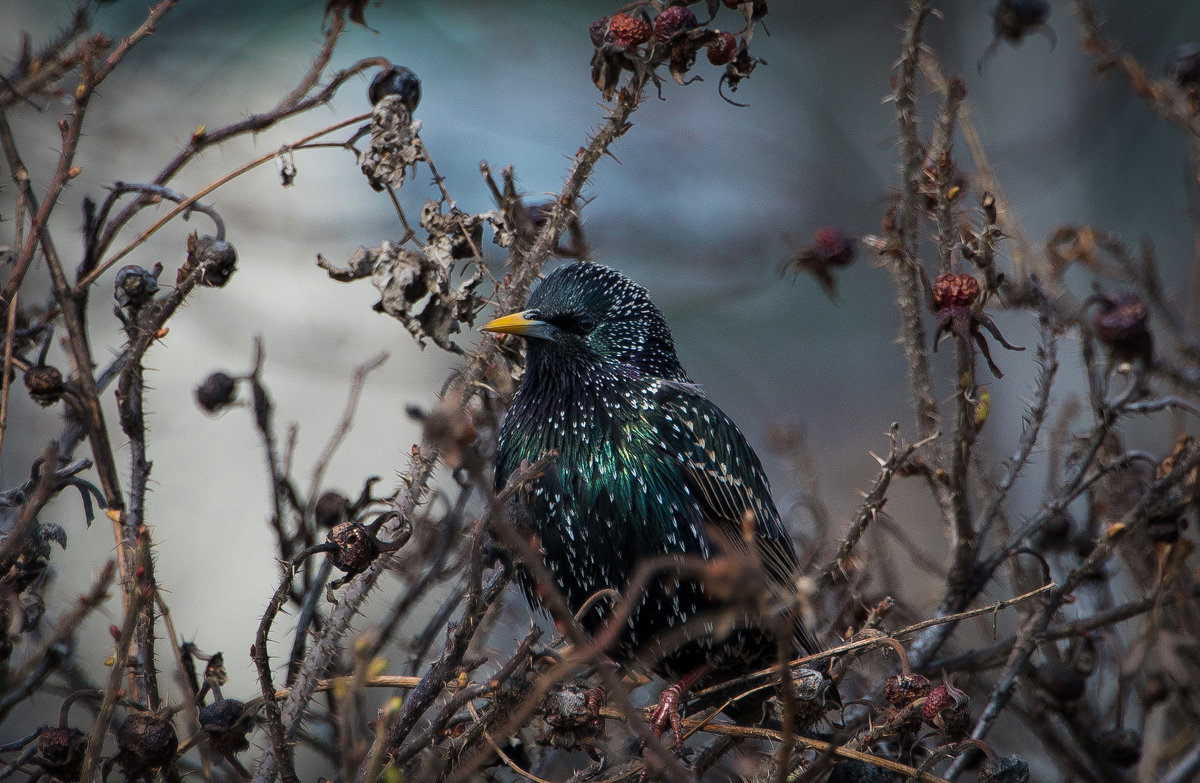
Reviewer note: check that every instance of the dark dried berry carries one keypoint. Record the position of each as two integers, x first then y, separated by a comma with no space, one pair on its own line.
1122,322
398,81
1014,18
954,289
948,710
835,246
215,257
1121,747
758,8
831,248
45,384
134,286
1056,530
1185,65
626,30
953,297
216,393
330,509
1061,681
61,749
226,723
145,741
1004,769
723,49
672,21
900,690
356,547
813,698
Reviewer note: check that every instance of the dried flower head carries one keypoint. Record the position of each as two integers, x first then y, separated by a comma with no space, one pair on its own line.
217,392
1012,20
450,430
227,723
134,286
722,49
355,548
145,741
45,384
627,30
901,691
814,696
673,21
572,714
948,710
216,257
61,749
393,147
953,299
832,248
1122,322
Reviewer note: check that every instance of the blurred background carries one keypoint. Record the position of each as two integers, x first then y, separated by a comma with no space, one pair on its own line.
702,203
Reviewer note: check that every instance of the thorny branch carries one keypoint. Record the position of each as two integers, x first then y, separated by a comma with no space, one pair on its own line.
1113,540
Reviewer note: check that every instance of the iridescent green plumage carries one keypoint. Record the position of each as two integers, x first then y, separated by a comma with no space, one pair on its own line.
647,465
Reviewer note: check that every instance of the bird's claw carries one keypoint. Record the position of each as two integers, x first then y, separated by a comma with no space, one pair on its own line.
666,714
593,699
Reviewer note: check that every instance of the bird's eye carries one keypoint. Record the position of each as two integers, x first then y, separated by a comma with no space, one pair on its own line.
580,324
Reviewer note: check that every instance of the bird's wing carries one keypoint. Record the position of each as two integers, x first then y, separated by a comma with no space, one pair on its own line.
724,474
726,479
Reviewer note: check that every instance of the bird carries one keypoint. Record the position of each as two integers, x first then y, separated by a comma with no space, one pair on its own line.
647,466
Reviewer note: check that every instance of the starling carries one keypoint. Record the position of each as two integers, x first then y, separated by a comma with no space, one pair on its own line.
647,466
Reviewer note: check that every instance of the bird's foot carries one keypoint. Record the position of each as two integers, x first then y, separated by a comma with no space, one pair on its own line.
666,714
593,699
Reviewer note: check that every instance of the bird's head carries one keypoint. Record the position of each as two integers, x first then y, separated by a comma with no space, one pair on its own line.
585,315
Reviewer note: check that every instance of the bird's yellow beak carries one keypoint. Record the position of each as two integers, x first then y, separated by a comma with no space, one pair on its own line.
516,323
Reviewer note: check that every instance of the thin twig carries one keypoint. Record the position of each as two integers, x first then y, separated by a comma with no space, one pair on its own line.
187,203
134,606
873,501
1036,624
342,429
